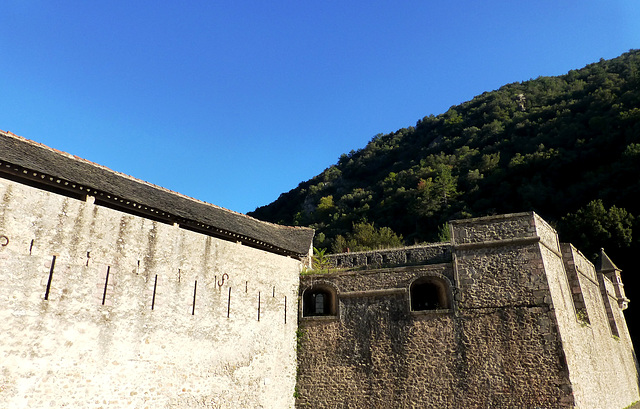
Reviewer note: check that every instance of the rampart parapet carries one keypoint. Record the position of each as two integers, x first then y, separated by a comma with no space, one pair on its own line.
414,255
502,316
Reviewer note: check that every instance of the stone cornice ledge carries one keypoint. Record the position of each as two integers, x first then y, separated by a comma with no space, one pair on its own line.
373,293
497,243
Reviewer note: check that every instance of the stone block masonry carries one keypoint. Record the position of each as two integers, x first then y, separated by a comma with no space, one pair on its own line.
415,255
489,322
103,309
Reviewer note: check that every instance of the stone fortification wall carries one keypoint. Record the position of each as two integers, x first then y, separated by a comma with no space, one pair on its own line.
510,336
494,228
104,309
601,365
399,278
495,346
504,291
499,272
376,353
424,254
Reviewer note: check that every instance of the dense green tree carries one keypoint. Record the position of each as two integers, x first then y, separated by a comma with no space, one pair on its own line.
561,146
365,236
551,144
594,226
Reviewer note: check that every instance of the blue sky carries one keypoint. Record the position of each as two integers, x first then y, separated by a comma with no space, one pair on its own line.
236,102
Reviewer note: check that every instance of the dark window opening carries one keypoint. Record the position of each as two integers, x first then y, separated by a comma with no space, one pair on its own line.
318,302
429,294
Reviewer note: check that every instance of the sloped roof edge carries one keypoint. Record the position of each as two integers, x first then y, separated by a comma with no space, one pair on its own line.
604,263
40,164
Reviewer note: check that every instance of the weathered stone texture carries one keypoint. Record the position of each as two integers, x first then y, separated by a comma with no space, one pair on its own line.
72,350
425,254
579,273
379,354
400,277
547,234
487,229
504,276
602,367
511,339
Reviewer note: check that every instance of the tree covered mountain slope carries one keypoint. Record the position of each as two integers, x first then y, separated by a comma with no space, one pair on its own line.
567,147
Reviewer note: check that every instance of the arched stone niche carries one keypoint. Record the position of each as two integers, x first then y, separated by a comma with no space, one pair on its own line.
430,293
320,300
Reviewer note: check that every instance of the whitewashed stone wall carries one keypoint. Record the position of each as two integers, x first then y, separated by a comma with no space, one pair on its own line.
96,342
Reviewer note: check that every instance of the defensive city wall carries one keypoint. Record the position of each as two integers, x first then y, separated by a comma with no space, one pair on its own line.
118,294
115,293
504,316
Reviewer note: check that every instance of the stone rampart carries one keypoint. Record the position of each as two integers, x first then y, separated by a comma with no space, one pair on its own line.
106,309
415,255
493,325
601,363
493,228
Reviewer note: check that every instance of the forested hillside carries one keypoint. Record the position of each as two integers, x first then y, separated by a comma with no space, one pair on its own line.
567,147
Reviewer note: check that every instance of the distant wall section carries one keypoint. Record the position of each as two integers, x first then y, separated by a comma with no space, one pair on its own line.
599,352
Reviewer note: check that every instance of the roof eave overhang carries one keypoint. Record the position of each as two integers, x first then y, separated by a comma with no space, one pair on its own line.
79,191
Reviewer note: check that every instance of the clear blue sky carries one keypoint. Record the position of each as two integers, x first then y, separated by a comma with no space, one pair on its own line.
236,102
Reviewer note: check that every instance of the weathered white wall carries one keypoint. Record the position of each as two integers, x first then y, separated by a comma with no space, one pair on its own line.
73,351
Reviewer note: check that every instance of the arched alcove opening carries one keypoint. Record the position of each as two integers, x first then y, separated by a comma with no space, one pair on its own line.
429,293
319,301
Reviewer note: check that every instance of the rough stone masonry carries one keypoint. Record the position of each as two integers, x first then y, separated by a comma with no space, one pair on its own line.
501,317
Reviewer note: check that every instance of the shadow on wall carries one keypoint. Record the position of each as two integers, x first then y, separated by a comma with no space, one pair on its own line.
429,293
319,300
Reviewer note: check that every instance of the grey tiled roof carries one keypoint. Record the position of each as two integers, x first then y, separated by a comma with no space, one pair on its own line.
604,263
37,164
